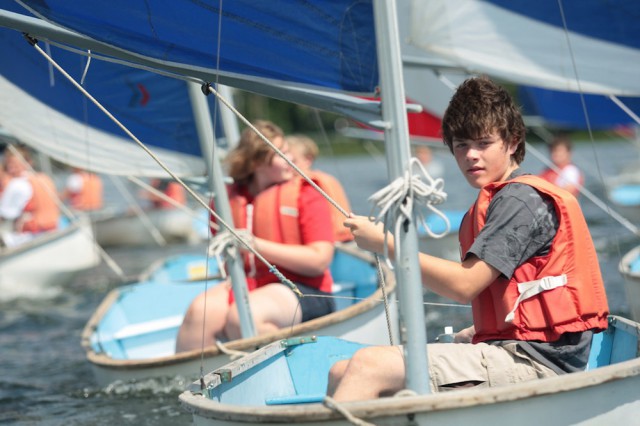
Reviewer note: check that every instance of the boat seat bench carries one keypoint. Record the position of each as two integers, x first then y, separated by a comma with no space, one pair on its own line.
117,343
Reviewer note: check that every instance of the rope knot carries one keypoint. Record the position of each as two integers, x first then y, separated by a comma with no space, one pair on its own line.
397,200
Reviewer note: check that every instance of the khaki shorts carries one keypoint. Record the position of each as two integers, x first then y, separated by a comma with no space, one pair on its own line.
452,364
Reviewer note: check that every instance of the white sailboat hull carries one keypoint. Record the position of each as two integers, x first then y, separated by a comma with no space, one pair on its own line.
602,395
48,260
128,229
631,281
144,349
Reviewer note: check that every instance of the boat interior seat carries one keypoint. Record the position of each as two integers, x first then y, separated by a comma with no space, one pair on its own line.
610,347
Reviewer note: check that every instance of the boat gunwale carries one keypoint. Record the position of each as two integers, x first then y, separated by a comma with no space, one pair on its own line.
193,401
249,344
42,240
625,262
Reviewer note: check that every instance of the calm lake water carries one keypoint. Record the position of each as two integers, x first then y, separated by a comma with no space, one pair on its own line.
45,379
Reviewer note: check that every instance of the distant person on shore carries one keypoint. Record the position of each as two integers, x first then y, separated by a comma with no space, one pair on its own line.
565,174
290,225
28,201
83,190
171,189
304,152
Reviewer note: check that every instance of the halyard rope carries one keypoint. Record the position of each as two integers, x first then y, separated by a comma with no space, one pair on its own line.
397,200
335,406
219,220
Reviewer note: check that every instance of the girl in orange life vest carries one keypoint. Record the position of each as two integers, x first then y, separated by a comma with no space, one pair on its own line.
171,189
304,152
521,231
262,184
83,190
27,200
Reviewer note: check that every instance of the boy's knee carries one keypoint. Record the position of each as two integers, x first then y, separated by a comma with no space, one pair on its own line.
337,370
196,310
367,356
232,324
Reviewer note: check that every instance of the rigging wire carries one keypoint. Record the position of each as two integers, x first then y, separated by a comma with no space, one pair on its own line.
271,267
586,115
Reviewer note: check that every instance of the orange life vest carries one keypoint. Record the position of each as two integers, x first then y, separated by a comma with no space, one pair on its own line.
41,212
173,190
273,216
90,197
548,295
334,189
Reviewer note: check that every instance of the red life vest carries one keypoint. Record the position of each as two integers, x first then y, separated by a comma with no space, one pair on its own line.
547,295
551,175
273,216
90,197
173,190
41,212
334,189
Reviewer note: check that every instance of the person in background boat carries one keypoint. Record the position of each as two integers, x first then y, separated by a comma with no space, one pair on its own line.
298,241
172,194
28,201
83,190
304,152
529,267
4,177
565,174
424,154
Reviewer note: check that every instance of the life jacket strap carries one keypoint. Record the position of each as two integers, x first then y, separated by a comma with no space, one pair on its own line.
532,288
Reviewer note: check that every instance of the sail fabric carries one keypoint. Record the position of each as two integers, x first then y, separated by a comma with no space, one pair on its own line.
41,108
565,110
526,42
329,44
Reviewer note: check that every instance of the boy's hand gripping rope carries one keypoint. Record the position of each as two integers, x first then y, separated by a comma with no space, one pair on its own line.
398,198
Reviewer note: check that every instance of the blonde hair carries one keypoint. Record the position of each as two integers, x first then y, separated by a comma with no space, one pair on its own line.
307,145
252,151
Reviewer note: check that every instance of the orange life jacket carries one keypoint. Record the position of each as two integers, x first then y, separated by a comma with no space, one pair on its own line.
273,216
334,189
41,212
90,197
173,190
547,295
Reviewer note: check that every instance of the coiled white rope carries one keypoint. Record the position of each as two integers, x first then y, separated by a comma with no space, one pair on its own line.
397,200
335,406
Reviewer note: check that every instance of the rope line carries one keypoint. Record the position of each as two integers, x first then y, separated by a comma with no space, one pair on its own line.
219,220
210,89
398,197
332,404
395,300
233,354
385,299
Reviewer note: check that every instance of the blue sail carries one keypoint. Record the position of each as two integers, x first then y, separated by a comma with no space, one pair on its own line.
565,110
328,44
71,129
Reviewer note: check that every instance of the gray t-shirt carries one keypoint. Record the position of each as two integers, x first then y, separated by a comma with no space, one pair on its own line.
521,223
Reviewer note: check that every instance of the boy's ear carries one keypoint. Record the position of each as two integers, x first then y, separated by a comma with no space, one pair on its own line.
513,146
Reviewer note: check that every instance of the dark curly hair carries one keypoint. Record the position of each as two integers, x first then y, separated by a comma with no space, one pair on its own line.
479,107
